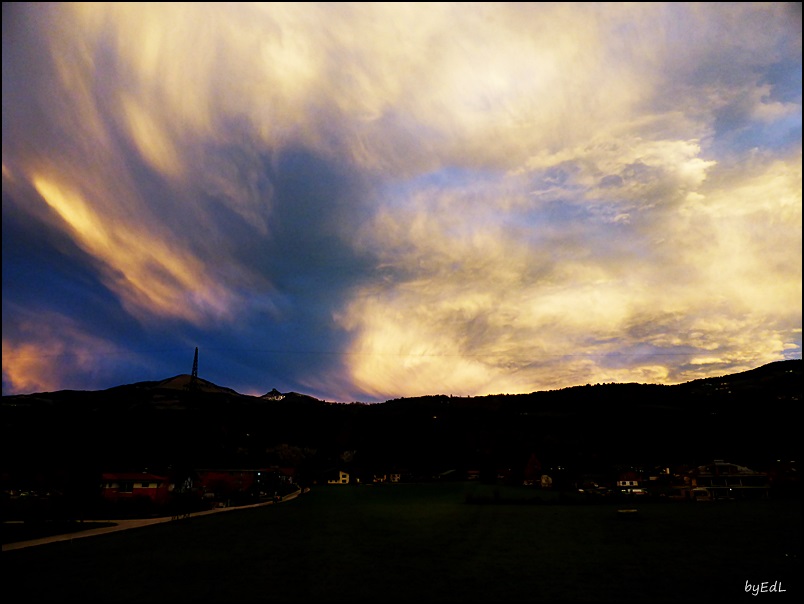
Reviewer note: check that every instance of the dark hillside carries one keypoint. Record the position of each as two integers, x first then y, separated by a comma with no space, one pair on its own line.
749,417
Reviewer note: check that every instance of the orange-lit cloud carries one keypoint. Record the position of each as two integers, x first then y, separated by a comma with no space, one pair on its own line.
52,352
147,272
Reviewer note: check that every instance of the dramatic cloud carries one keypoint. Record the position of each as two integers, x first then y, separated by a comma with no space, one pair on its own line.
366,201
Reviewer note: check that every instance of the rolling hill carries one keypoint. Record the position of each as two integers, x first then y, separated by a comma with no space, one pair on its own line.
748,417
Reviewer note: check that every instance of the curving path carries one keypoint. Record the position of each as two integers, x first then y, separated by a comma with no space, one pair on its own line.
122,525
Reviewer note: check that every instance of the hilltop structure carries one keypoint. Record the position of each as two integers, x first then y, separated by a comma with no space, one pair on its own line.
193,384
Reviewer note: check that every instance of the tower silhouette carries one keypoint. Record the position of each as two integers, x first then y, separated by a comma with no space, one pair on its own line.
193,385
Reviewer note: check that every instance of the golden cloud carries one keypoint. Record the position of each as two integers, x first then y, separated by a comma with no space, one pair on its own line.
145,270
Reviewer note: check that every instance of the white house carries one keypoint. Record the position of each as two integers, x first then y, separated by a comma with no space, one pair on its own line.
342,478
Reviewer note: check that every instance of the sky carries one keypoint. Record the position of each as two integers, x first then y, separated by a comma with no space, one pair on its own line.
368,201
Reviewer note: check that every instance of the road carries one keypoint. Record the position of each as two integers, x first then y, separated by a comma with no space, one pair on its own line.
126,524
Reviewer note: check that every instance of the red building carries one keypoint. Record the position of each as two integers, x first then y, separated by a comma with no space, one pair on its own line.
128,486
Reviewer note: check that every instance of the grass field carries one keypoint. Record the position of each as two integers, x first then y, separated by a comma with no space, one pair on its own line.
423,543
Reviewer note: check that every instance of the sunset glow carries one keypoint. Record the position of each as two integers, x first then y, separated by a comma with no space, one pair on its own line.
370,201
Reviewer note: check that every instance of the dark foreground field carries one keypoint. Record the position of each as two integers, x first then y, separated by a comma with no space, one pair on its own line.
423,543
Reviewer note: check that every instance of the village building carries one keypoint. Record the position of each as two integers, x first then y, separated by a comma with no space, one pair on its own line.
133,486
723,480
